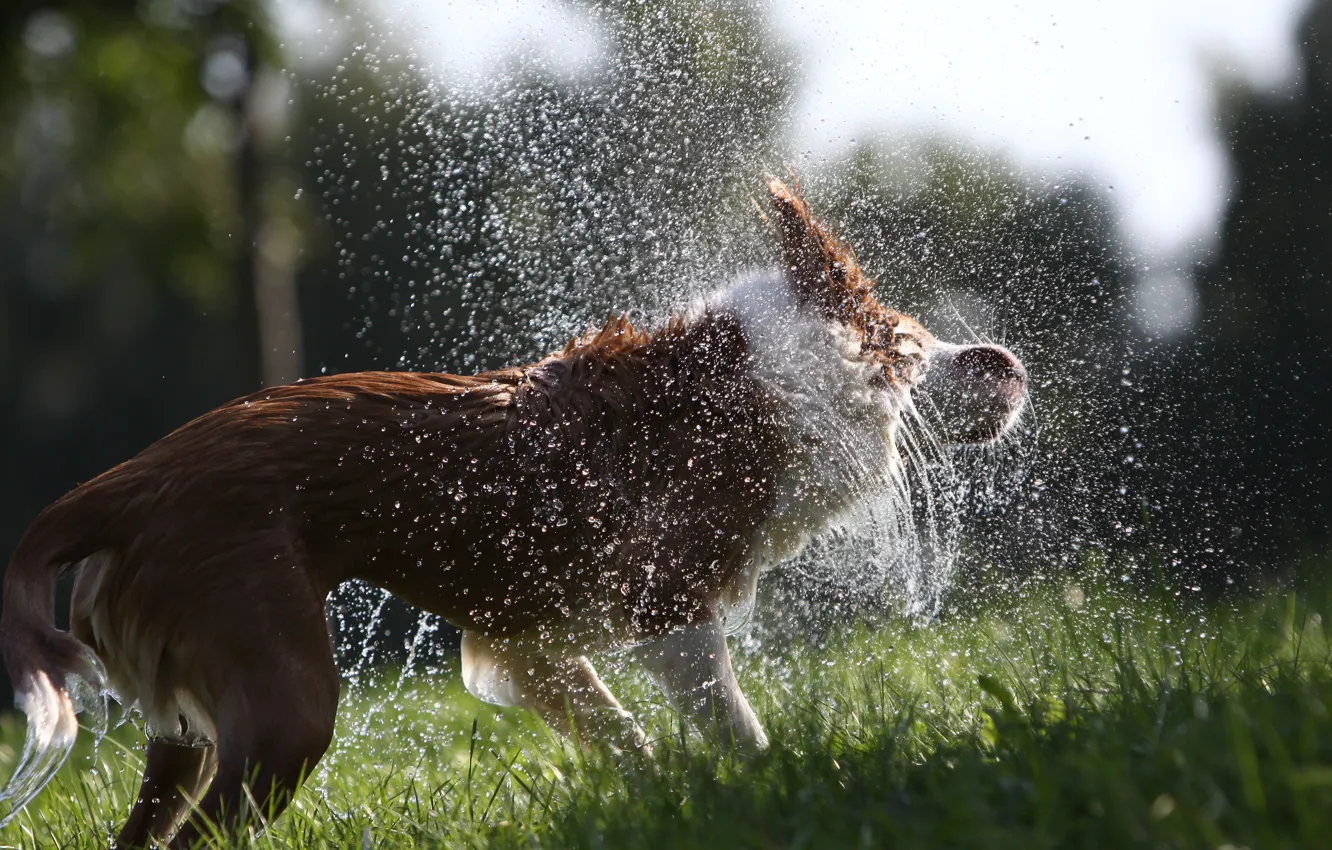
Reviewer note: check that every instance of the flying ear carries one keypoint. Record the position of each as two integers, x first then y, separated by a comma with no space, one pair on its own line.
822,267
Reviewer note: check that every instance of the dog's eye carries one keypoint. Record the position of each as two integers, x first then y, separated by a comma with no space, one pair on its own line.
896,373
879,337
904,370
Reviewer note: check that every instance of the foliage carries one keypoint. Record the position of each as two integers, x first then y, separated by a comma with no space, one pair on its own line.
119,149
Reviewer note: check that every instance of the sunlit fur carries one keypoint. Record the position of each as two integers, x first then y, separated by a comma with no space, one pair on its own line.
839,416
626,491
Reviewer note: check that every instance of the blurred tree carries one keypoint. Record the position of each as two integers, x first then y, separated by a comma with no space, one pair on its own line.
1240,441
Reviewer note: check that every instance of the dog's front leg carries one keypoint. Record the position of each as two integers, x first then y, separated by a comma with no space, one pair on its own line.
692,666
567,693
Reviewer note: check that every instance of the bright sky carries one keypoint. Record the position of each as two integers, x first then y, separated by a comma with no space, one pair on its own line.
1121,92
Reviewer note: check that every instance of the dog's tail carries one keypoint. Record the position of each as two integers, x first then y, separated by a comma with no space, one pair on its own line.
54,675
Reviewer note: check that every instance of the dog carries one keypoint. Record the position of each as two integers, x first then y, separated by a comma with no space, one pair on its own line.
627,491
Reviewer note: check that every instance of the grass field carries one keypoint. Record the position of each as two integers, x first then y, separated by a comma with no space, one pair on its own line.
1062,716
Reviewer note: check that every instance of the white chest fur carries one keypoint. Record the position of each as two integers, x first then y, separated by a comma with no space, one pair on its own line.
841,421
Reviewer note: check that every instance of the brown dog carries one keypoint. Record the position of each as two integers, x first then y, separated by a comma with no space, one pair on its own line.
627,491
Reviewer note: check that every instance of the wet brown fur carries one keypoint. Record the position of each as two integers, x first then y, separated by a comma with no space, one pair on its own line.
587,497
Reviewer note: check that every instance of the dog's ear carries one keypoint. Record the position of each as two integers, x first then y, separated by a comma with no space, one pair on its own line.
822,268
824,273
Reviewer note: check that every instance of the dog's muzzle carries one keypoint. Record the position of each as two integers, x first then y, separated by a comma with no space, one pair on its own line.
971,393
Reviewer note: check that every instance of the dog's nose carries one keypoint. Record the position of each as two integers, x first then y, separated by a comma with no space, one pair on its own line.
974,391
993,364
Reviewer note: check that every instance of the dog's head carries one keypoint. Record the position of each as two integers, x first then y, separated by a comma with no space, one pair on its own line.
974,393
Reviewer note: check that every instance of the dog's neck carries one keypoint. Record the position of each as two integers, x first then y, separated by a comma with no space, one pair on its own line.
839,416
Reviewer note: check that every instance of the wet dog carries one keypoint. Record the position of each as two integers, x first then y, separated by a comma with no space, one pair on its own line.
627,491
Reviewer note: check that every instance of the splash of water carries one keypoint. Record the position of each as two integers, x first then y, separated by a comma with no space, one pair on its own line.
52,731
485,222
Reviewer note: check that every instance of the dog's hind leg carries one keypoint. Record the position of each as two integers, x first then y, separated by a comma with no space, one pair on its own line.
271,734
692,667
273,672
174,776
566,693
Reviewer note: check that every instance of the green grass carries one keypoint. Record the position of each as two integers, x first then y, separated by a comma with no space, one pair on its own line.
1056,718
